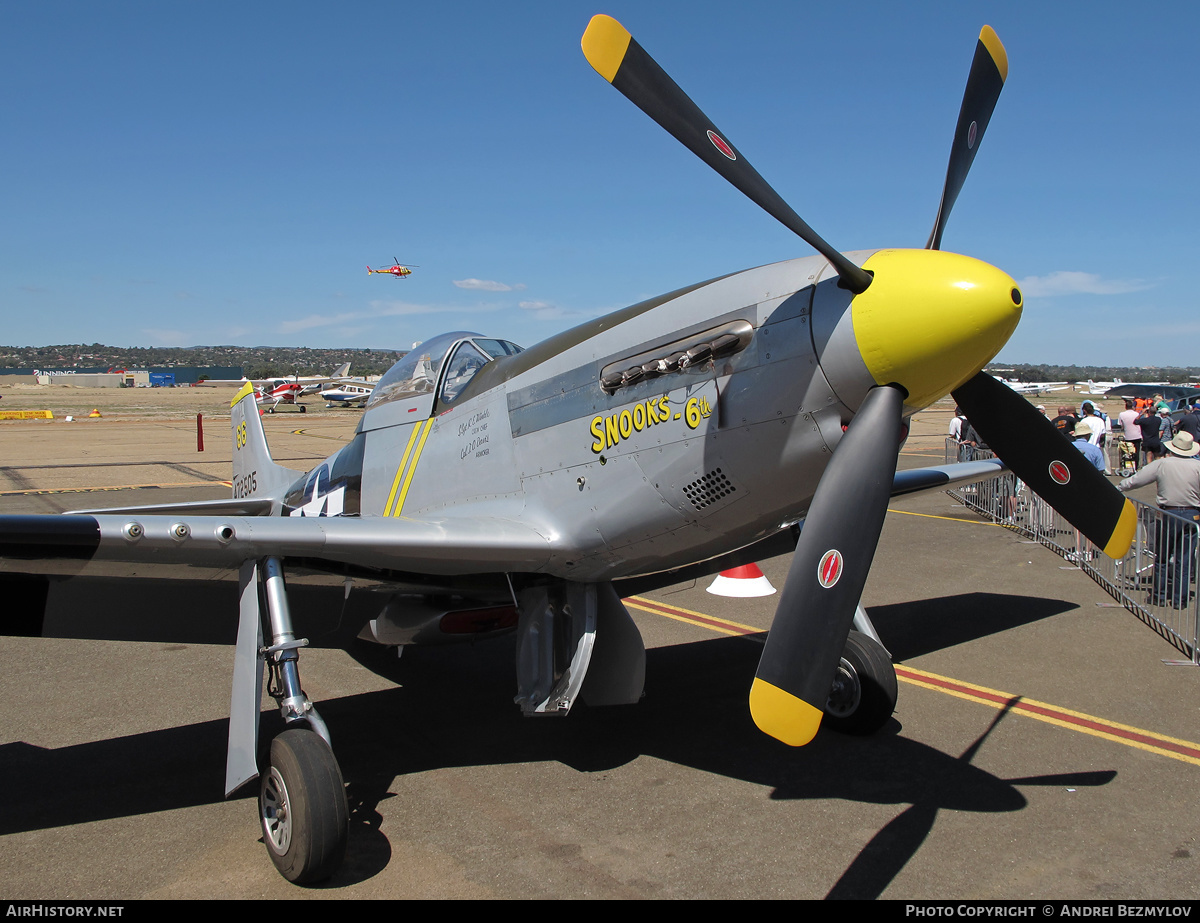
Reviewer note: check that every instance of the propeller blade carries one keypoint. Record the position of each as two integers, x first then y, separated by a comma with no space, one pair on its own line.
620,60
989,69
1054,469
829,568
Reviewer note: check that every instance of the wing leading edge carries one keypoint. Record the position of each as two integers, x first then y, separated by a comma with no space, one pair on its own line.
41,544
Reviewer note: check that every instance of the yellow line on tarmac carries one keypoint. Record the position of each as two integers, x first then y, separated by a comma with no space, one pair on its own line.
724,626
1183,750
304,432
973,522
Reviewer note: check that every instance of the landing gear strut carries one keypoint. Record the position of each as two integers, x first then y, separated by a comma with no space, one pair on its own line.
302,798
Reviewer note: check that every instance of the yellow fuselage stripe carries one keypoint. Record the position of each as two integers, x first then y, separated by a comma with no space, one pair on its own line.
412,441
425,428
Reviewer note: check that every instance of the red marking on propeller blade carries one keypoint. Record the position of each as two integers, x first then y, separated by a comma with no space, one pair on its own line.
830,568
719,143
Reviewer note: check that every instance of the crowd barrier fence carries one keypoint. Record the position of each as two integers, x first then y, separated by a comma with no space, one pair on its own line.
1155,580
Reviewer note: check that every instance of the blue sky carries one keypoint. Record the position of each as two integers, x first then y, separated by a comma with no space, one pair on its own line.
214,173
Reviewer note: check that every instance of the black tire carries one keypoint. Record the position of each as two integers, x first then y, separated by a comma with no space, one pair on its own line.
302,807
303,408
864,691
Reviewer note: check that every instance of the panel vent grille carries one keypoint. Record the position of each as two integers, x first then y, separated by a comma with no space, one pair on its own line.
708,489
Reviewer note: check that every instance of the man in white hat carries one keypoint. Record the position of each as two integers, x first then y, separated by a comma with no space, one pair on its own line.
1176,477
1084,443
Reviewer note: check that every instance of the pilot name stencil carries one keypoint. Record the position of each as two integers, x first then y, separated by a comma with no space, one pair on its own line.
476,426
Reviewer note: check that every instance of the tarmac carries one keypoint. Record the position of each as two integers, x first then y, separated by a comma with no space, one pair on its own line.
1041,748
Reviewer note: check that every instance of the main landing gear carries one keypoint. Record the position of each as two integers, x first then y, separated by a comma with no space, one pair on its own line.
302,797
863,695
302,805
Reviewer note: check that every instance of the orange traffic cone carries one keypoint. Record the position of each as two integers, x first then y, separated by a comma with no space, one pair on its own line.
745,581
94,413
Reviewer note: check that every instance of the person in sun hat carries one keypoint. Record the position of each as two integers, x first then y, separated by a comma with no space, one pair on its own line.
1091,451
1176,477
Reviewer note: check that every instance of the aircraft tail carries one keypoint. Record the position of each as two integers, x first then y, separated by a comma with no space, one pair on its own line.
255,474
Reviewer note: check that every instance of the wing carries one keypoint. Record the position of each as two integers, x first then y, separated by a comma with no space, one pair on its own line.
45,544
942,476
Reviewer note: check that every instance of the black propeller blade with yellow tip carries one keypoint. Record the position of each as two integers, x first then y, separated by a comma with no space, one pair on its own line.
620,60
1022,438
989,70
1054,469
827,574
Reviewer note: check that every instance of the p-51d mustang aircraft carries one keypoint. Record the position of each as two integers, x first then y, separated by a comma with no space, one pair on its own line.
678,436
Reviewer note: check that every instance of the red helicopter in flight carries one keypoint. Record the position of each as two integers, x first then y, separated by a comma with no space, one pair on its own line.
395,269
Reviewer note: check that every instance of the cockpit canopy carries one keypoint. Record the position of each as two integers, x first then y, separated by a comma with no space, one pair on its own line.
444,363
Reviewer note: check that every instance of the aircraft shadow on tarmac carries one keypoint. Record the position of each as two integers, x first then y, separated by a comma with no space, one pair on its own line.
911,629
455,709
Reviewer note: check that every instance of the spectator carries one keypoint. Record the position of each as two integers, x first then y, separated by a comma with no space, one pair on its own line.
971,437
1091,451
1150,425
956,424
1083,436
1098,427
1176,477
1130,430
1065,422
1166,427
1190,422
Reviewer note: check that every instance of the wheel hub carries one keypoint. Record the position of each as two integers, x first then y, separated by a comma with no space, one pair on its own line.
846,692
275,812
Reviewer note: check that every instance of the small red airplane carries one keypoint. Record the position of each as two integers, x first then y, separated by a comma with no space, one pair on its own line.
279,391
395,269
